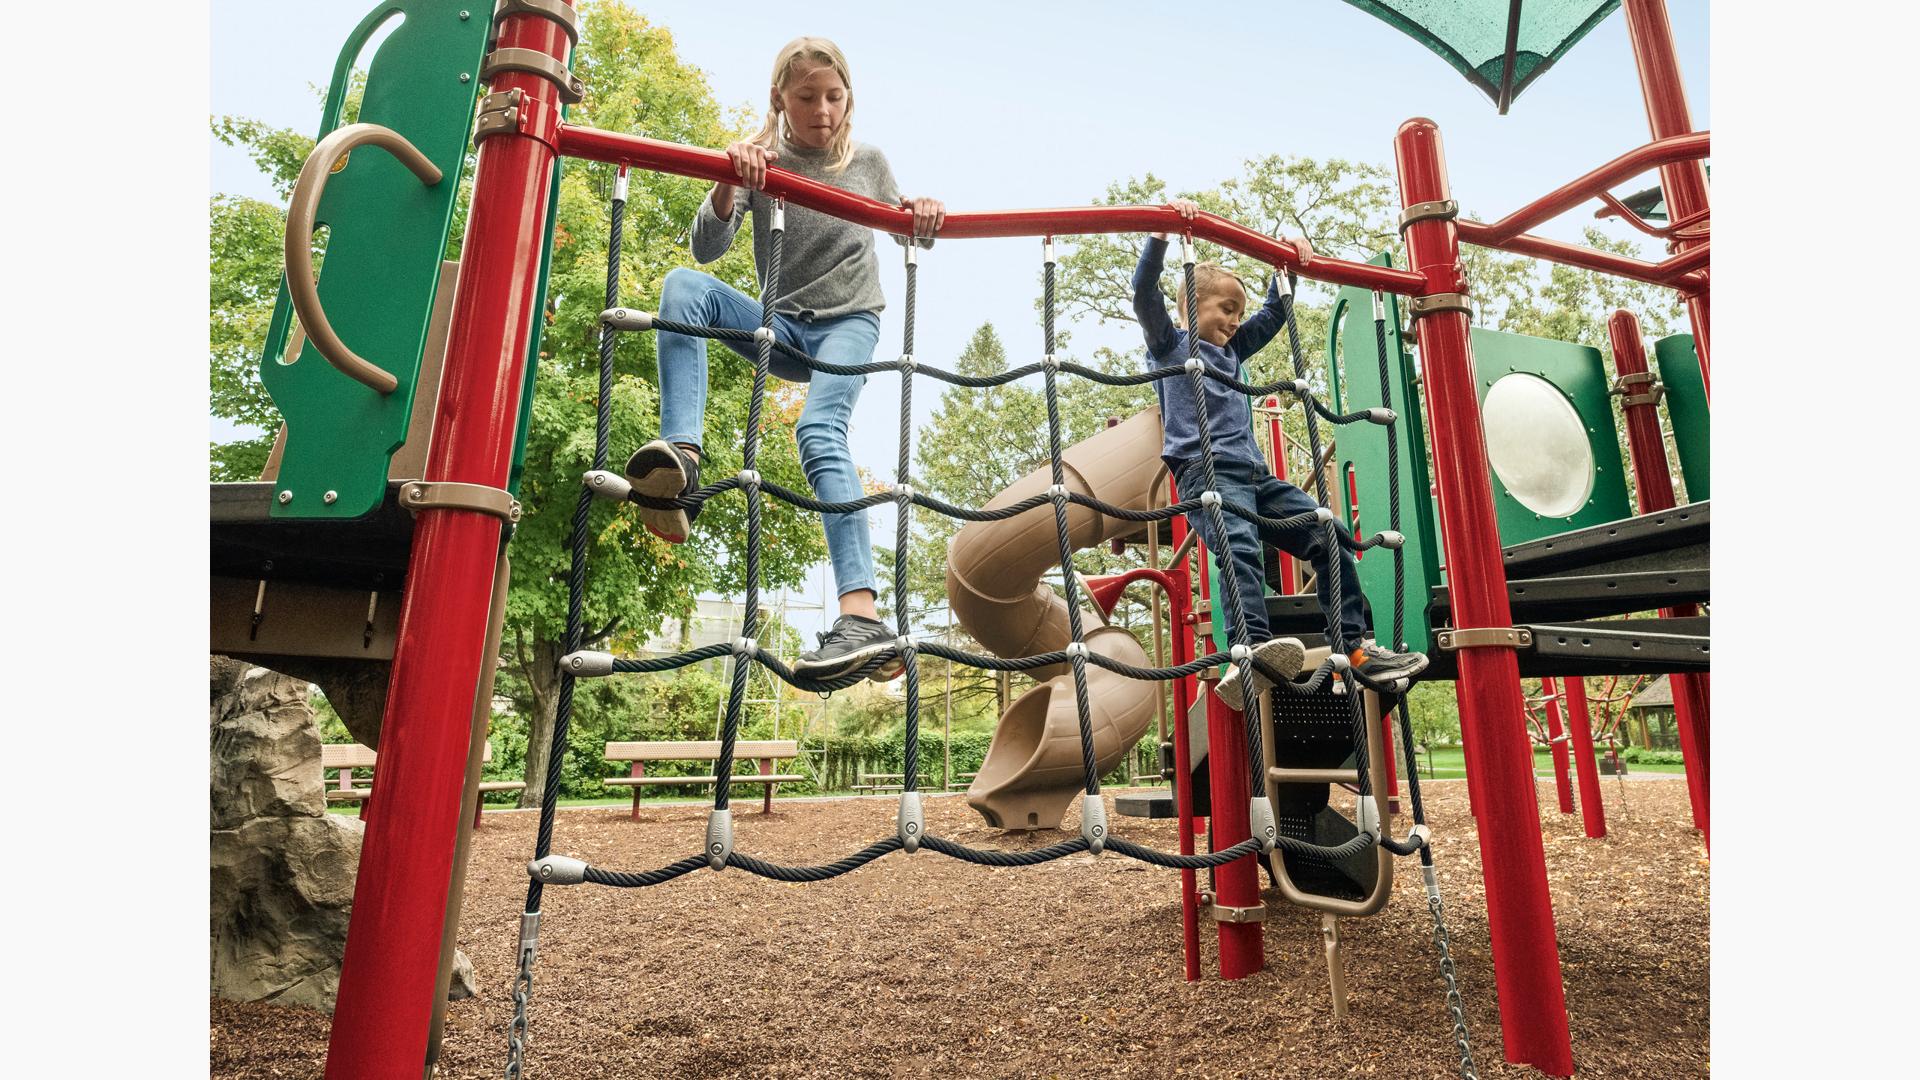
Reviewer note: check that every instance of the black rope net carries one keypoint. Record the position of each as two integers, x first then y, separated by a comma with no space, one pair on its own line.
546,868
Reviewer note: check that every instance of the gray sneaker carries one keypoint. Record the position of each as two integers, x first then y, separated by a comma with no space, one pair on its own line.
853,641
1386,671
1285,655
664,471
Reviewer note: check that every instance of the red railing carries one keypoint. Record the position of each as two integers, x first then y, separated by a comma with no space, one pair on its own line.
701,164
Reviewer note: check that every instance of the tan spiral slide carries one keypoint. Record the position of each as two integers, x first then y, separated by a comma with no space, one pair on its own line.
995,569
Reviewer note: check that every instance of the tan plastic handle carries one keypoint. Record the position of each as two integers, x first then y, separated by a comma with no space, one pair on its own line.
306,199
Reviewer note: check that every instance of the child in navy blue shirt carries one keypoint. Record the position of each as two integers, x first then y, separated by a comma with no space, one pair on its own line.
1241,474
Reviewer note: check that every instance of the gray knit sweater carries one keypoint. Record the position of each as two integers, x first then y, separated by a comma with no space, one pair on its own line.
827,266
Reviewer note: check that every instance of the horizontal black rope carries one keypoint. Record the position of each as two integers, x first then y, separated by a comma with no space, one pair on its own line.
987,857
814,873
824,686
692,500
624,666
622,880
1184,862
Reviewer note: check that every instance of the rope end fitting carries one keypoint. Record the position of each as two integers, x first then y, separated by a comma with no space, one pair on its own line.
529,936
1390,539
1379,307
1260,822
627,319
1093,819
1046,251
1383,417
620,185
913,821
587,664
719,838
553,870
1325,514
607,485
779,223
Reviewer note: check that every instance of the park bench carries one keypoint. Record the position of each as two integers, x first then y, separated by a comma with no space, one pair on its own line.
348,757
765,752
879,783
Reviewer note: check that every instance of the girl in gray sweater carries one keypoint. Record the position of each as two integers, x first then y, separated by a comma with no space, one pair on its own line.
827,305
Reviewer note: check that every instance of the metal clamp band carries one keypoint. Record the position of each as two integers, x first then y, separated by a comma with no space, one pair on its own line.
535,62
418,495
499,113
554,10
1638,378
1436,303
1486,637
1229,914
1651,397
1428,211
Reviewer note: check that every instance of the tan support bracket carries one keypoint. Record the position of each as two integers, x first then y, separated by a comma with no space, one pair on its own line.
498,113
1655,388
1651,397
1336,963
535,62
1428,211
418,495
1486,637
1228,913
554,10
1436,303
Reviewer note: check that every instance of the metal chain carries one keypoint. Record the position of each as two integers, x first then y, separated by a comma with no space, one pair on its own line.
517,1031
1455,1006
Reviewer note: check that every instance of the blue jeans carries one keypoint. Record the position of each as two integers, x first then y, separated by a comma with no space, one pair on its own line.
690,296
1255,487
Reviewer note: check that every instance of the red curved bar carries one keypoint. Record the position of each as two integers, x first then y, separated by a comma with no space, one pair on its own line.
1685,279
653,154
1689,147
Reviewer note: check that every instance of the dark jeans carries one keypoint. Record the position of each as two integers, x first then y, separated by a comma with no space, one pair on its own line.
1255,487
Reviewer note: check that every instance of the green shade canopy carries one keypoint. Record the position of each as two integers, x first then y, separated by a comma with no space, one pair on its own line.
1501,46
1651,204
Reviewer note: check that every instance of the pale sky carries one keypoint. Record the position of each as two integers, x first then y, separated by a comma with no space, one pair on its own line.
1020,105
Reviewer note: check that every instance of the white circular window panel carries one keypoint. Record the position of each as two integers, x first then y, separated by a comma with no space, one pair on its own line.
1538,445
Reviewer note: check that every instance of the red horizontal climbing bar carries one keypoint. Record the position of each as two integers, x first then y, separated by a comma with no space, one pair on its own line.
658,156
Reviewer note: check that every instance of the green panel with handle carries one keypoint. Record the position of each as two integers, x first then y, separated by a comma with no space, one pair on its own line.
1687,408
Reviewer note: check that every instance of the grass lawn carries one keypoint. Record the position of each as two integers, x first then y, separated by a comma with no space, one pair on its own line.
1449,763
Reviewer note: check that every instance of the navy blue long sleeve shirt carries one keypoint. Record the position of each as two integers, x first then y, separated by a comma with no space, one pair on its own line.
1229,413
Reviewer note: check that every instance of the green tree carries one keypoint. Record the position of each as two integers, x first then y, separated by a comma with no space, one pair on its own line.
1434,712
637,83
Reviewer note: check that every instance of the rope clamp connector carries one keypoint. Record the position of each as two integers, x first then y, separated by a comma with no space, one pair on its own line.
1300,389
906,363
1325,514
1366,815
1487,637
903,493
1057,492
745,647
1076,650
1383,417
903,644
1339,661
1421,835
1046,250
418,495
557,870
1210,500
1441,209
1050,362
627,319
1093,822
1390,539
913,821
1194,365
587,664
607,485
1240,652
1260,822
719,838
749,478
763,336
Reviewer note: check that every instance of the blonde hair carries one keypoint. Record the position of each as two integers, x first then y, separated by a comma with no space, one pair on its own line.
825,53
1206,278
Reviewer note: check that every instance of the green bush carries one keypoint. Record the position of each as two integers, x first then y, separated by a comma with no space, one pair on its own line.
1635,755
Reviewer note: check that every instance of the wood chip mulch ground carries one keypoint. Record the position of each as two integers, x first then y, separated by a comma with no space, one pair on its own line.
924,966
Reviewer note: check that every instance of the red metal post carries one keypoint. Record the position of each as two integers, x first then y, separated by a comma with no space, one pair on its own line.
1684,182
387,979
1277,439
1653,485
1526,953
1557,747
1180,614
1580,731
1236,884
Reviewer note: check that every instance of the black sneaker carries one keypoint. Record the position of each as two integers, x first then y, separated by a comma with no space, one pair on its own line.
853,641
1387,672
664,471
1284,654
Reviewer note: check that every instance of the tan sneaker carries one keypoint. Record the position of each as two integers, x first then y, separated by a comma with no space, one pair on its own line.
1285,655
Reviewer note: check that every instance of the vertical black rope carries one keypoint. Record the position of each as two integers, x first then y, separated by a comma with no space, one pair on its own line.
749,464
1077,656
577,566
903,503
1229,579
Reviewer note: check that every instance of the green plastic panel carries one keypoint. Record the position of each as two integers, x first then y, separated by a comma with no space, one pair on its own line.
1687,408
525,422
1579,376
387,233
1363,448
